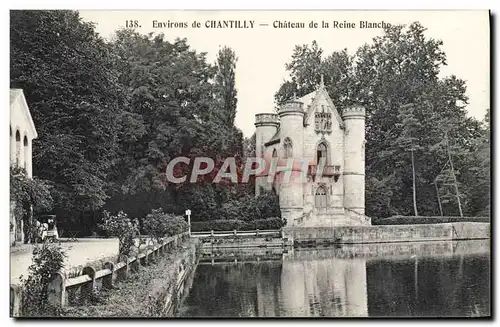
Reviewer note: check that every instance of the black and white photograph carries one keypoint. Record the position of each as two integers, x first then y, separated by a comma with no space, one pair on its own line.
247,164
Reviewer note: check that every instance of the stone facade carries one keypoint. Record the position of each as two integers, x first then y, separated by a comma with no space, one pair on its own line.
327,184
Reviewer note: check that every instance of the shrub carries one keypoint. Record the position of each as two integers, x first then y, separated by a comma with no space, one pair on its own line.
47,260
232,224
123,228
26,193
158,224
410,220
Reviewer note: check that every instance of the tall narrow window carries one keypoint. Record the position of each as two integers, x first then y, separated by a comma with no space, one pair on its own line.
287,145
275,153
321,154
320,197
18,147
26,150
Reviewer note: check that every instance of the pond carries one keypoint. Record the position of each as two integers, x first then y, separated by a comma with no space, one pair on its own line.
327,283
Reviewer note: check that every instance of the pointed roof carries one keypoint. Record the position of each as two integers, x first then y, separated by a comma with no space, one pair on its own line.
275,139
311,100
18,95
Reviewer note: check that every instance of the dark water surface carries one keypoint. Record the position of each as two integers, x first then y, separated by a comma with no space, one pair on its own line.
316,283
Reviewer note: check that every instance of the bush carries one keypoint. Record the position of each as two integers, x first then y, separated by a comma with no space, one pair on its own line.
158,224
47,260
410,220
123,228
26,193
232,224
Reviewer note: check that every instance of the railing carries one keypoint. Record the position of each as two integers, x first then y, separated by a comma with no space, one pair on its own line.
235,232
326,170
90,278
362,217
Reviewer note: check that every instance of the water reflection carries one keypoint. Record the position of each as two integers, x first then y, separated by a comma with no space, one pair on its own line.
333,283
323,287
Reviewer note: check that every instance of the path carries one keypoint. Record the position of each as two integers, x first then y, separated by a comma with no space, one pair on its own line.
78,253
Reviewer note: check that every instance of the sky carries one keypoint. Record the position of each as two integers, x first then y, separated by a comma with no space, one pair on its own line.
263,51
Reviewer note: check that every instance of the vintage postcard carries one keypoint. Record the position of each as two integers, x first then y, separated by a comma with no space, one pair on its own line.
214,164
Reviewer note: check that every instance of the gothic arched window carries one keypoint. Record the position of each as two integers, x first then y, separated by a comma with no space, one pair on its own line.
18,147
321,154
287,146
25,142
320,197
275,153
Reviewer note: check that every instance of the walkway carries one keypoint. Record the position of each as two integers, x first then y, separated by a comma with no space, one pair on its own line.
78,253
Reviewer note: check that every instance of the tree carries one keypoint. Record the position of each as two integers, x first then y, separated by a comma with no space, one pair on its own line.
66,72
408,141
400,67
225,84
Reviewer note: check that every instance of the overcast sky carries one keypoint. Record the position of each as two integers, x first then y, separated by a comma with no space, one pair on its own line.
263,51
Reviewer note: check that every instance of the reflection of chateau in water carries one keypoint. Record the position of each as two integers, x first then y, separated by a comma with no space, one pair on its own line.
323,287
338,282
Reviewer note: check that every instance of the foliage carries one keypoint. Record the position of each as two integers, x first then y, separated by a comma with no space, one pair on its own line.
409,107
122,227
143,294
26,193
410,220
48,259
225,82
67,74
236,224
158,224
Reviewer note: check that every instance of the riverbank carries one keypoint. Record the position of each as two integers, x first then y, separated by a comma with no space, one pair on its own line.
312,236
153,291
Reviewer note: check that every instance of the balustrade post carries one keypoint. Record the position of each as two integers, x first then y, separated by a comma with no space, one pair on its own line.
235,232
57,290
136,264
109,280
15,300
123,272
88,288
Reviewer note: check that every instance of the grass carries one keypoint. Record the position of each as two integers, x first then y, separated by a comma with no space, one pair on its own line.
142,294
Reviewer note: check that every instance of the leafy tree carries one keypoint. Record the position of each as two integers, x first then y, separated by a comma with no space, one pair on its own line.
400,67
409,142
66,72
225,83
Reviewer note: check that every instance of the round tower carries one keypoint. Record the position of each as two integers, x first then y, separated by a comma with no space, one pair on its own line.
266,125
291,115
354,159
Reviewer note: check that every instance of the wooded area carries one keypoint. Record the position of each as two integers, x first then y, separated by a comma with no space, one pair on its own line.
111,114
410,110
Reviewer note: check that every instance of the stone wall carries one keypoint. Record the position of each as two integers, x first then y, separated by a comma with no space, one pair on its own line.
389,233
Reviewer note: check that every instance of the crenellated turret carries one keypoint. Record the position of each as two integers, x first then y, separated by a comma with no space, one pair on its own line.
266,126
291,115
354,159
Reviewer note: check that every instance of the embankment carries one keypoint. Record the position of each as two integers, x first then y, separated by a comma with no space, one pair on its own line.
154,291
387,233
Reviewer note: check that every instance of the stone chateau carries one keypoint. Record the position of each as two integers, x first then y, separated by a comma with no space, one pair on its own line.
332,142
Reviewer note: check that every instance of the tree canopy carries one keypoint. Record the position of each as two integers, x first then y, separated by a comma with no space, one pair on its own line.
409,108
111,114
